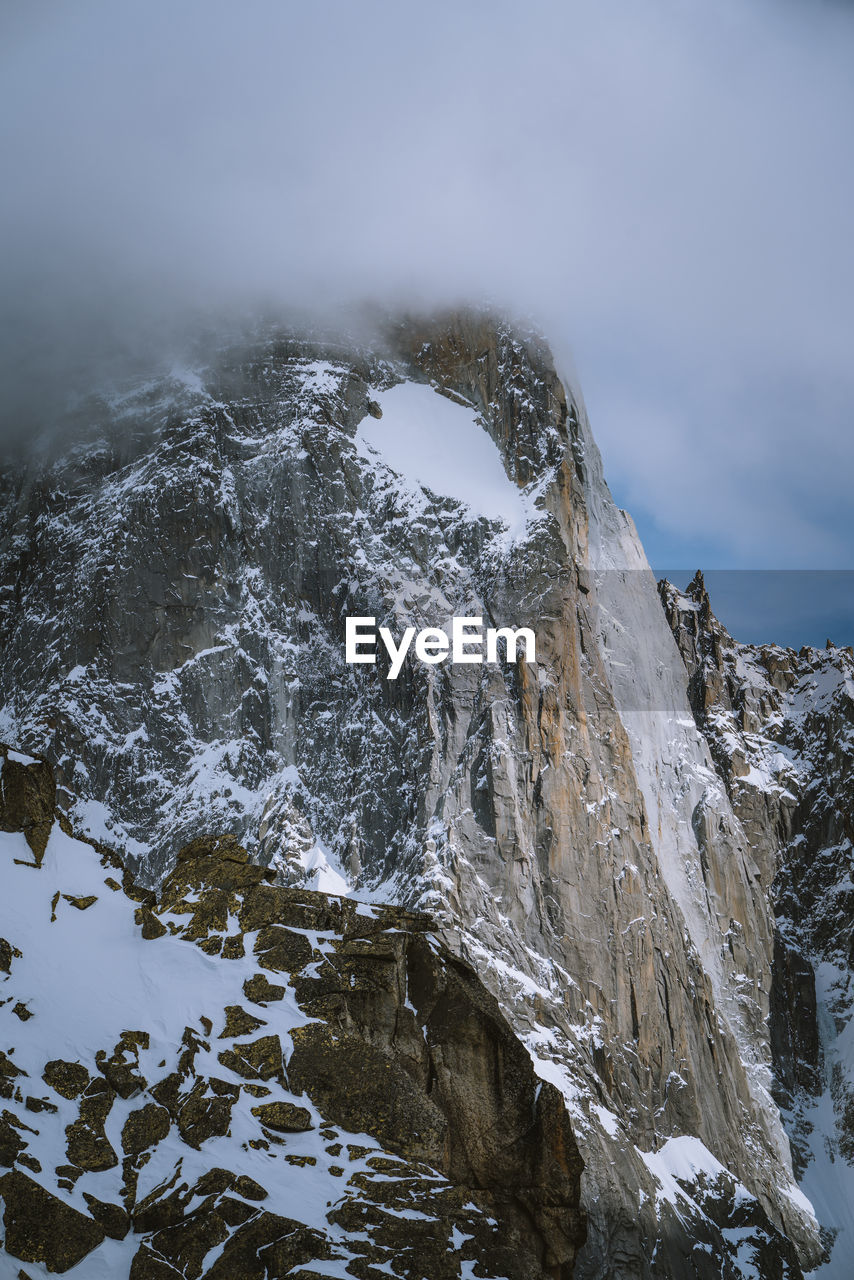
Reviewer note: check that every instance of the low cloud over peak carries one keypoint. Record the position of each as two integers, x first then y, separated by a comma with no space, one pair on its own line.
666,188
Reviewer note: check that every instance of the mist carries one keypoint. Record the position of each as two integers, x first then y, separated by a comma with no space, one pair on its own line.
664,188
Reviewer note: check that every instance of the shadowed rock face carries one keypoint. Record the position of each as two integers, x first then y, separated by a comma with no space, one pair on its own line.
795,1042
184,575
27,799
362,1072
40,1228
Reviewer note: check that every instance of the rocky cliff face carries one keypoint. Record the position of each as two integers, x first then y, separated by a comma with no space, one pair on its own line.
780,726
175,587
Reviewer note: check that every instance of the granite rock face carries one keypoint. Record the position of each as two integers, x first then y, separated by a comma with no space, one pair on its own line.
780,727
175,585
307,1080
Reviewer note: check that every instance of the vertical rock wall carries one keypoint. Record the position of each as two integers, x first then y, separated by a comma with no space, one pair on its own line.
780,727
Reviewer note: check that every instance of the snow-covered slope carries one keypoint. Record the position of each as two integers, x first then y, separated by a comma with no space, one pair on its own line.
238,1080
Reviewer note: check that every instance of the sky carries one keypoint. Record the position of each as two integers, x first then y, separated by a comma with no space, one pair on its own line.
790,607
664,187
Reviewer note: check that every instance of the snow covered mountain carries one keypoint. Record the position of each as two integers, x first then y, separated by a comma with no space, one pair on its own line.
780,726
175,580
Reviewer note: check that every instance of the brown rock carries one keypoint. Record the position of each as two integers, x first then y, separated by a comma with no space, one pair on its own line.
248,1187
268,1245
214,1182
7,953
41,1228
151,926
258,1060
186,1243
261,905
82,904
224,848
112,1217
260,990
87,1144
121,1075
144,1128
233,948
27,801
11,1143
281,950
89,1148
38,1104
217,1180
203,1116
239,1023
366,1089
68,1079
284,1117
146,1265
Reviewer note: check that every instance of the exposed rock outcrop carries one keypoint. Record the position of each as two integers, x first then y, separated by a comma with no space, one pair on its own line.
40,1227
371,1106
27,798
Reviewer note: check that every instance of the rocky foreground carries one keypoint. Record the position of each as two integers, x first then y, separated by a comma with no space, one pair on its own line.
240,1081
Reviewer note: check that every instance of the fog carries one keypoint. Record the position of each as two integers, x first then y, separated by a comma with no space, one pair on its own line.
666,188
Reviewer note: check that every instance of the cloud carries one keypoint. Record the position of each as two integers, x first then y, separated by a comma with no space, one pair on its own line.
666,188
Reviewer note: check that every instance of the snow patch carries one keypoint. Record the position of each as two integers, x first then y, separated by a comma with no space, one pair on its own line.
441,445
